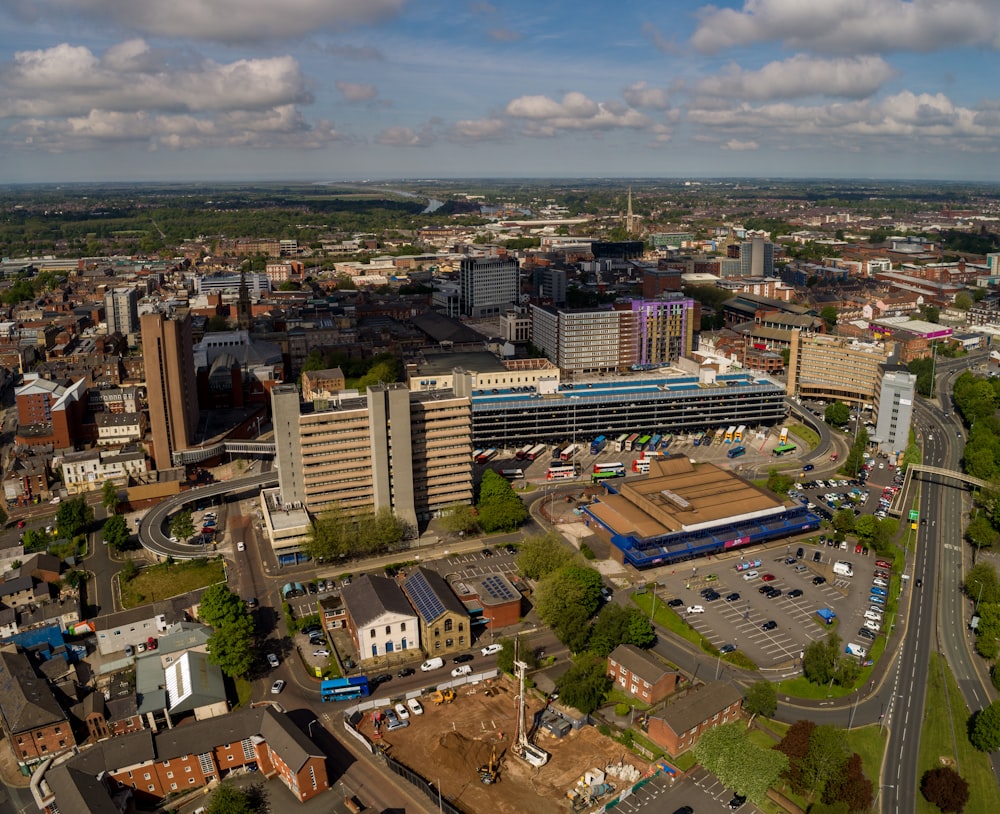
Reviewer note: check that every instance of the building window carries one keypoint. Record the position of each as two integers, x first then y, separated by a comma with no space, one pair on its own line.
447,625
372,633
402,627
388,630
173,786
146,776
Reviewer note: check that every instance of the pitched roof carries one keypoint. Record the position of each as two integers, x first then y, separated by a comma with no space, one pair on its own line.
370,597
285,738
640,663
431,596
28,702
697,707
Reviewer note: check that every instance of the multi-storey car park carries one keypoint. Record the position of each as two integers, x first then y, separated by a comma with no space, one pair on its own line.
507,418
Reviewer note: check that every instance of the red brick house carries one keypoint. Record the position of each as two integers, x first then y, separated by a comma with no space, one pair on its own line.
35,725
641,674
149,765
680,724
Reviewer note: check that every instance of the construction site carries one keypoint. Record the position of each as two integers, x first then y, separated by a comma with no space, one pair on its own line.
469,744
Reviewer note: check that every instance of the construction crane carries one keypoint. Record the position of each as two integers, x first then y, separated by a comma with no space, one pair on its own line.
522,747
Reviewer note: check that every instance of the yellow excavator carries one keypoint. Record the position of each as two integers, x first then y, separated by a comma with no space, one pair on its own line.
490,773
443,696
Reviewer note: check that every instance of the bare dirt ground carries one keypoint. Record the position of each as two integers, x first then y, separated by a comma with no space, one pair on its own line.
448,743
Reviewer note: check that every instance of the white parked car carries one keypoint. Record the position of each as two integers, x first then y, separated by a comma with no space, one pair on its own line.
415,706
749,575
272,660
461,670
871,624
695,609
241,546
873,615
491,649
402,712
878,582
322,653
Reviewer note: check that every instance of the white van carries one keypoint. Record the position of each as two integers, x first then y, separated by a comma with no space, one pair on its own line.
461,670
844,569
749,575
432,664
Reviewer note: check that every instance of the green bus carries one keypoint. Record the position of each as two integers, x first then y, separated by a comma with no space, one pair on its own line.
642,442
783,449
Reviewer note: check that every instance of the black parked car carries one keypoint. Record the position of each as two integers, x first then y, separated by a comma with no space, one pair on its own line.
406,671
462,658
380,679
770,625
817,556
795,593
733,597
675,602
800,553
819,580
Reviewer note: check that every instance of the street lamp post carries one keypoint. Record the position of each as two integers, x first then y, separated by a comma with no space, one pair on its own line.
980,595
854,709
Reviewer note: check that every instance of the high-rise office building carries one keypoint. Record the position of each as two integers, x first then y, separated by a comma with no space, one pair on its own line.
121,310
391,448
634,332
756,256
489,285
894,410
171,387
835,368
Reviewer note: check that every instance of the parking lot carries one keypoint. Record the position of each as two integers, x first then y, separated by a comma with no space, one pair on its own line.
736,612
700,790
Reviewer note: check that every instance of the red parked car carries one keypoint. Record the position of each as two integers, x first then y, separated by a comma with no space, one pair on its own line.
883,564
767,577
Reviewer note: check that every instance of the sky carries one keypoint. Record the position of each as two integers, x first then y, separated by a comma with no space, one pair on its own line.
216,90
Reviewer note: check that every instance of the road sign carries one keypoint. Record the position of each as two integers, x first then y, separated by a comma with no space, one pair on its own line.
914,515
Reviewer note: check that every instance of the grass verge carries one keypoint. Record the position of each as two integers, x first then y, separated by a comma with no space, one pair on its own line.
165,580
868,742
666,617
807,436
942,711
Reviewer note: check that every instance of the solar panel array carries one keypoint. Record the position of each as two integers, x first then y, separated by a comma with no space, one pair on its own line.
498,588
423,597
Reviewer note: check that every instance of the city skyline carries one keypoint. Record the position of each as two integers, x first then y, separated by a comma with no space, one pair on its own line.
354,89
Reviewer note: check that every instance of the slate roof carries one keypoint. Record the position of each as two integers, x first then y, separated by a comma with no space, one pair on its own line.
697,707
370,597
640,663
28,702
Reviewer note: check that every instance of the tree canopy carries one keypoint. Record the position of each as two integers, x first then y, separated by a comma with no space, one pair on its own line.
116,532
230,799
761,698
945,788
109,495
617,624
985,731
499,507
231,644
73,517
566,599
182,525
541,554
584,685
728,753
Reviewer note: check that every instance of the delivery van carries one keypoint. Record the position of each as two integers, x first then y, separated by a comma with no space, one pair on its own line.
432,664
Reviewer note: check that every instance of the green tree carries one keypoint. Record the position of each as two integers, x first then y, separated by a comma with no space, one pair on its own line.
829,316
980,531
864,527
386,531
220,607
109,495
232,648
505,658
728,753
116,533
761,698
230,799
182,525
819,662
981,583
963,301
541,554
566,599
837,414
843,520
985,731
585,684
459,518
500,508
129,570
73,517
778,483
615,625
945,788
825,758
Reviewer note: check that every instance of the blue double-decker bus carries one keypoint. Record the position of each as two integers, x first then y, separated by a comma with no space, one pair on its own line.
344,689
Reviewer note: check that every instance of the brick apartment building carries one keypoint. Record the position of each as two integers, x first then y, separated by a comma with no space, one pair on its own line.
150,765
680,724
642,675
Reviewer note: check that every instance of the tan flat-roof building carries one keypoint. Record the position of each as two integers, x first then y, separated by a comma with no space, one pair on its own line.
390,448
835,368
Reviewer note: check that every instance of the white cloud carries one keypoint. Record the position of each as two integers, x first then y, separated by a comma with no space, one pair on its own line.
405,137
354,92
851,26
903,121
281,127
639,94
71,80
475,130
800,76
543,116
740,146
231,21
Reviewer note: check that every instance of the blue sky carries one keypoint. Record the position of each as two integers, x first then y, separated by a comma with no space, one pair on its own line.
119,90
